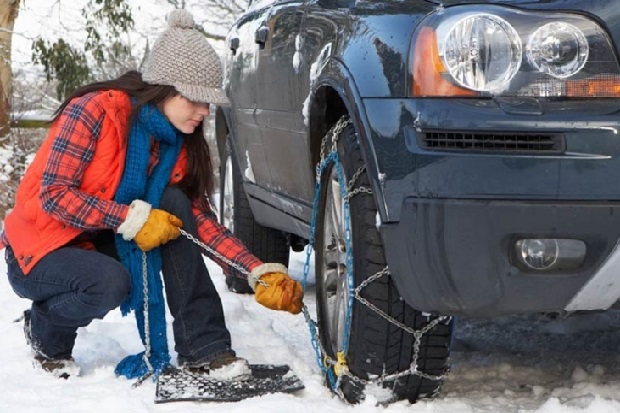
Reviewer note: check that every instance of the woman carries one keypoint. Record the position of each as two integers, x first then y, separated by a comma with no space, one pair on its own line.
125,165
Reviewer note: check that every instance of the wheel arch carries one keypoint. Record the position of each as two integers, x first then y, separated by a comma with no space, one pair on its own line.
332,96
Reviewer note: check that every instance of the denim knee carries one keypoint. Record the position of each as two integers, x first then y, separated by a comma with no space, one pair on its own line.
110,291
120,288
175,201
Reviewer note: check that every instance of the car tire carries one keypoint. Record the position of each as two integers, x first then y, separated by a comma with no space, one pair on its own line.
268,244
376,346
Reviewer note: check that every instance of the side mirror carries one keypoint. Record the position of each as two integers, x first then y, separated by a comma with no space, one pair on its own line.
233,44
261,35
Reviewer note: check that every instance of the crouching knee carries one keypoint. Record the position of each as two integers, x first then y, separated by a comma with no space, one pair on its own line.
176,202
115,289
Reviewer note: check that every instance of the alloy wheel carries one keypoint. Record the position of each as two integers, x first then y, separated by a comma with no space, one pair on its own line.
334,269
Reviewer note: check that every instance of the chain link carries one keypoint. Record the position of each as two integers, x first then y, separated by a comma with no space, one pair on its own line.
352,190
335,134
417,334
147,326
355,177
221,257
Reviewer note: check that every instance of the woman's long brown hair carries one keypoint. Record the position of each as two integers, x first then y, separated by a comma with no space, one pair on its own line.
198,182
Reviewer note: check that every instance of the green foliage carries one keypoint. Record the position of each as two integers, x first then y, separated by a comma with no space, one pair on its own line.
63,63
114,15
106,21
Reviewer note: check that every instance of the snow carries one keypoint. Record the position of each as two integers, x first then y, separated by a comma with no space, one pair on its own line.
513,364
249,172
237,370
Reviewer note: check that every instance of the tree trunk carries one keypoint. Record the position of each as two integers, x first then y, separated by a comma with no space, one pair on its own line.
8,13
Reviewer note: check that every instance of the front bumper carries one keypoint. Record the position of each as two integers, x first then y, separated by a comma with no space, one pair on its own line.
456,257
450,214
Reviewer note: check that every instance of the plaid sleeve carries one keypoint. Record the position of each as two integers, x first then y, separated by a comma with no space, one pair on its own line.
218,237
77,132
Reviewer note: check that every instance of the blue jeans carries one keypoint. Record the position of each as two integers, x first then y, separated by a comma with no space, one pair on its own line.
71,286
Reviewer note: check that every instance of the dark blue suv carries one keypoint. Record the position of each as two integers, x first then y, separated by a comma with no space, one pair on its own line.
443,158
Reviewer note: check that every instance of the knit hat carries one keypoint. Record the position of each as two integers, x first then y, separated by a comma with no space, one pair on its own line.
182,57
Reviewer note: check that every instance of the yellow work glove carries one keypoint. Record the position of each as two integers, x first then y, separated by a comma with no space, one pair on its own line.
276,290
159,228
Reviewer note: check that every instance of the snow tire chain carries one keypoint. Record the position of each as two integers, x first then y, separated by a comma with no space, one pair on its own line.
220,256
417,334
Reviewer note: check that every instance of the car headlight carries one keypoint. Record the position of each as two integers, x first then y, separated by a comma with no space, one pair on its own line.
481,52
559,49
488,50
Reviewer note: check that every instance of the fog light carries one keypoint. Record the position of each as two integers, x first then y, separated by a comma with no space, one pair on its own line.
551,253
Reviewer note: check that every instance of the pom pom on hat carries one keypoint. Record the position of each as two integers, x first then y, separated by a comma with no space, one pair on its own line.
183,58
181,18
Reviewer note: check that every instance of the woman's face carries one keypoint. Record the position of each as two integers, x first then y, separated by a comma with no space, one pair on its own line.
184,114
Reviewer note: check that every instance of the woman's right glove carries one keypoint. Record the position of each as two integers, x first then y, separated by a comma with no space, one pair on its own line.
274,289
148,227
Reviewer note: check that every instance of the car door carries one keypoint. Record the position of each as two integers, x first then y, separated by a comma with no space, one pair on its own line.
240,85
279,112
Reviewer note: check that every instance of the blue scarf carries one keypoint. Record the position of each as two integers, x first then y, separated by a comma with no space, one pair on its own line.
136,185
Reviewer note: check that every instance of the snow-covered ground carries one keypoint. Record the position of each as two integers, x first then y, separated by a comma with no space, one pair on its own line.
508,365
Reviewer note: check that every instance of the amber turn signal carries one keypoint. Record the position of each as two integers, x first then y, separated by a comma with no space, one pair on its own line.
429,71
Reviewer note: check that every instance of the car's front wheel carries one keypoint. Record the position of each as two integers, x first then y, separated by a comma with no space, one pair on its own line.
375,346
268,244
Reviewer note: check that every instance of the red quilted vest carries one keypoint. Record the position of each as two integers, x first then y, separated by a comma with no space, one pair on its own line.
31,232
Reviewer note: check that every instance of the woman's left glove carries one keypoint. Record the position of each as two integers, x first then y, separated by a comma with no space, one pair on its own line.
274,289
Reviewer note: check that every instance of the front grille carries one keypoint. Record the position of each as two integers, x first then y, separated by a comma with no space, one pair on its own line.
527,143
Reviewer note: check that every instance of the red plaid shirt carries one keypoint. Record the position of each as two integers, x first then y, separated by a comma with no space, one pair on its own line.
71,154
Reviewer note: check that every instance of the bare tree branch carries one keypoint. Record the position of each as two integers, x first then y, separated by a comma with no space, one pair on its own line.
216,15
223,5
